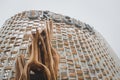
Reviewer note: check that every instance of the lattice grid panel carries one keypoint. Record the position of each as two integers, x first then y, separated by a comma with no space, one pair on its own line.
83,53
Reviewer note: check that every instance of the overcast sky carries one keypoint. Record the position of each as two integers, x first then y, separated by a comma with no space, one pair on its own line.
103,15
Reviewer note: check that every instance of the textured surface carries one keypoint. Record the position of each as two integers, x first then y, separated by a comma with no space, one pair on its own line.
84,54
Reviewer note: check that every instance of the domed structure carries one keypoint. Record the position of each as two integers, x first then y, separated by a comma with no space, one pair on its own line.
84,54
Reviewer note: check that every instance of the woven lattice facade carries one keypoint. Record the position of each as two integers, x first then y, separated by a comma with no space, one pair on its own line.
84,54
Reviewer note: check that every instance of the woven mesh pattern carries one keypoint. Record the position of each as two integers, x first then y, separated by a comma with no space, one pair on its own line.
84,55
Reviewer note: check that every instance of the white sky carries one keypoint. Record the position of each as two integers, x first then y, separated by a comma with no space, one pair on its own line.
103,15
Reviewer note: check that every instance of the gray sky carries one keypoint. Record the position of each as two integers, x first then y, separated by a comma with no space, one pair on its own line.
103,15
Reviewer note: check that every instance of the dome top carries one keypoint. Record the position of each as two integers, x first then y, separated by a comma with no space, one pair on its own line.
46,15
